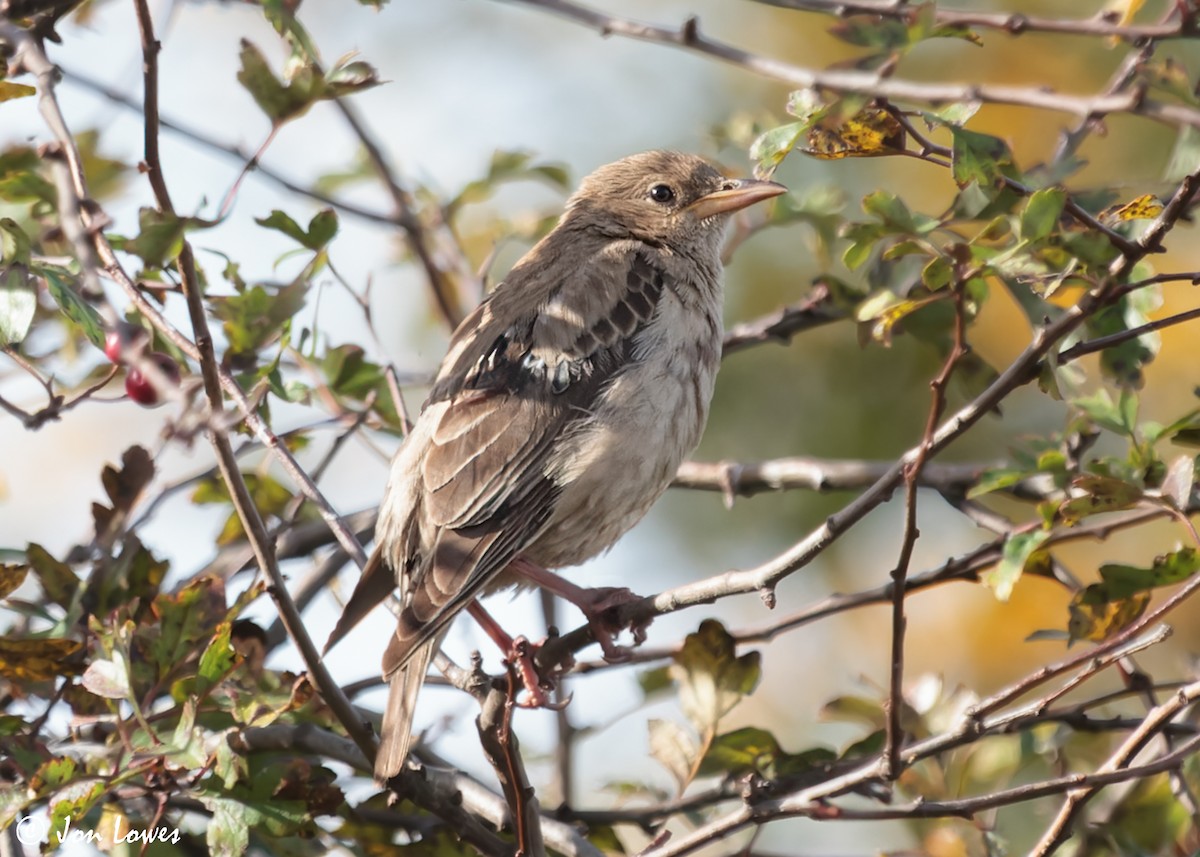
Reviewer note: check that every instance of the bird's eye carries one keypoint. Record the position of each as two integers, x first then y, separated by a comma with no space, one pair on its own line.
662,193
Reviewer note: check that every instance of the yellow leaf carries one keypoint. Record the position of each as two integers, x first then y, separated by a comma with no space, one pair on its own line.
1145,207
1126,8
881,320
867,134
1097,619
38,659
10,90
11,577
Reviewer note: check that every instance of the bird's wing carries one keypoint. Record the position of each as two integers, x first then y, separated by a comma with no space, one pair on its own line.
515,384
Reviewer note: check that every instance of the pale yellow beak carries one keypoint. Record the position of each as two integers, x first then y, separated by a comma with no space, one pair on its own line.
734,195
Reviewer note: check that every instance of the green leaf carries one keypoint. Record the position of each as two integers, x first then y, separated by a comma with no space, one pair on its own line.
18,301
1125,361
228,831
978,157
348,76
67,811
1041,213
854,709
748,750
270,496
1100,409
654,681
59,582
1121,581
348,371
256,316
771,147
955,113
105,176
278,100
864,237
186,622
890,210
15,247
995,479
508,166
1020,553
305,85
1102,494
280,221
1148,819
937,273
753,750
871,31
712,678
74,307
321,229
159,239
1185,157
218,659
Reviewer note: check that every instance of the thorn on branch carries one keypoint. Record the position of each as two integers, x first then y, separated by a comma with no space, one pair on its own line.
689,34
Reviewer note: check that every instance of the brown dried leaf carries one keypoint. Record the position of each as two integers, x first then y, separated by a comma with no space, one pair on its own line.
38,659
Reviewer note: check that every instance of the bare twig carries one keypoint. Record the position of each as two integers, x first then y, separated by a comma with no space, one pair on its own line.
875,84
247,511
1013,23
1060,828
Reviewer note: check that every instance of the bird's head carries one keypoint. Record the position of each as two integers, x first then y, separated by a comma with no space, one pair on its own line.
667,198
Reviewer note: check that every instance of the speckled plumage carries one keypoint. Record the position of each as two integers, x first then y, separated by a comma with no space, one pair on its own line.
564,406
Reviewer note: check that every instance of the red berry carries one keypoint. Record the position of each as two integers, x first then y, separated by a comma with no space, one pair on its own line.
141,389
123,337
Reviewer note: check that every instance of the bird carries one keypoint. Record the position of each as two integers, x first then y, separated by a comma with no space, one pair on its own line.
563,407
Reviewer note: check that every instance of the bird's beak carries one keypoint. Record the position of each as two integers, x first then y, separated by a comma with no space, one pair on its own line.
734,195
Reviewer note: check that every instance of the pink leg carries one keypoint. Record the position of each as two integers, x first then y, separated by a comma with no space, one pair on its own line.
594,602
519,652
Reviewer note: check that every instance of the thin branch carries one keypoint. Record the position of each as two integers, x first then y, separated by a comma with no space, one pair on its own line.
816,310
247,511
87,220
1105,25
893,734
748,478
236,153
1060,828
766,577
444,262
1091,346
813,801
875,84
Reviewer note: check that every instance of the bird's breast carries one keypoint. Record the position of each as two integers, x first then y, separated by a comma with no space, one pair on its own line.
648,418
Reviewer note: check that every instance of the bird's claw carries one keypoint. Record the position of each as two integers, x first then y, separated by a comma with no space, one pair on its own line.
521,658
600,608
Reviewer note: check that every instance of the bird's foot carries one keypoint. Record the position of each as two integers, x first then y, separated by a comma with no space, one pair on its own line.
522,658
599,606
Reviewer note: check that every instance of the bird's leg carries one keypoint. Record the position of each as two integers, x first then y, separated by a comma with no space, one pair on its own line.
519,652
596,604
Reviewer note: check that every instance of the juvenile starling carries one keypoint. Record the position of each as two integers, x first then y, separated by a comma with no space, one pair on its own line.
562,410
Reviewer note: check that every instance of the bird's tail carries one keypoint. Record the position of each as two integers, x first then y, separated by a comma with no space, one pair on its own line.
395,735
